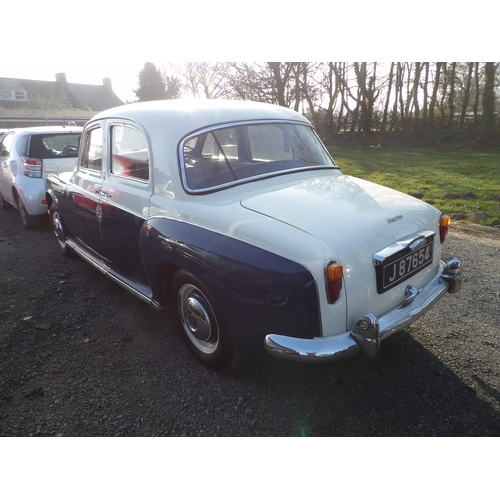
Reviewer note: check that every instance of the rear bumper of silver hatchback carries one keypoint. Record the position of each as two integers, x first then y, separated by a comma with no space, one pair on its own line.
364,339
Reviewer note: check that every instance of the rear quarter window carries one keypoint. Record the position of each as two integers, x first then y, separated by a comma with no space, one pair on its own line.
54,146
22,145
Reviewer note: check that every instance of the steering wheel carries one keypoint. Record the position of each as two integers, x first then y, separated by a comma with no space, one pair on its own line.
189,160
70,149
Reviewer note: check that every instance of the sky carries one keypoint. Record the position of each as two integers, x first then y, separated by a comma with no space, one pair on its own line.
95,40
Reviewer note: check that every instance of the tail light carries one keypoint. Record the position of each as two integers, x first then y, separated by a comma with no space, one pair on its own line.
32,167
444,225
334,276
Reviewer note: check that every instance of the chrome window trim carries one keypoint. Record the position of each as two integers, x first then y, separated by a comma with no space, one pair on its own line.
129,124
226,185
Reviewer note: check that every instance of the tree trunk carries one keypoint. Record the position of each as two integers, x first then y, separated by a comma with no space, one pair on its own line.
280,84
367,95
298,90
451,101
425,98
489,98
387,100
432,104
465,102
401,100
416,85
441,105
477,92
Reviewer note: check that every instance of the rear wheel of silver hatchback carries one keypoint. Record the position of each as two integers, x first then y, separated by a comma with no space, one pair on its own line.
4,205
202,325
58,230
29,221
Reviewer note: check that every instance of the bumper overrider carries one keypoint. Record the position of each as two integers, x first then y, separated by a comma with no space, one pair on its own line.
369,330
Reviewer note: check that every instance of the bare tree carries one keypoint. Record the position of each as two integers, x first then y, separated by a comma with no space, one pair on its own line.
208,80
390,81
425,93
451,95
488,101
415,97
359,96
467,91
432,104
477,93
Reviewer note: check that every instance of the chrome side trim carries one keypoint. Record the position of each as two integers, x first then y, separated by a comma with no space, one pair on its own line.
369,330
136,289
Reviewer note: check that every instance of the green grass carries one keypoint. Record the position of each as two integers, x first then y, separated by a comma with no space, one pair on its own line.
471,177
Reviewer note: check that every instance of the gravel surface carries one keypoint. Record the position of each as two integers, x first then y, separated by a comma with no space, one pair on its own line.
79,356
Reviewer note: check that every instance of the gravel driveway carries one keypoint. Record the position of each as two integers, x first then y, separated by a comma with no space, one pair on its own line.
79,356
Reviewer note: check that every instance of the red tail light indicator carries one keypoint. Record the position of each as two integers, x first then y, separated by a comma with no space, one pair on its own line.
32,167
444,226
334,276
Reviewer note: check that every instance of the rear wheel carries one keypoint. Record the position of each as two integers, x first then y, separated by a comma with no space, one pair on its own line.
29,221
58,230
4,205
202,325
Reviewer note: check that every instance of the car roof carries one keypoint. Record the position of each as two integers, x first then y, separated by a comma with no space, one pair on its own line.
49,129
182,116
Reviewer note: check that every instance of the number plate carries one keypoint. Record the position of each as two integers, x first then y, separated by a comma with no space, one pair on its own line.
402,265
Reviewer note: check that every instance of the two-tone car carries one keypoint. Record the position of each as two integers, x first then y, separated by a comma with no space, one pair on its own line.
235,214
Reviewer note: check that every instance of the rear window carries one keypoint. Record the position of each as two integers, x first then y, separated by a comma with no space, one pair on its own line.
49,146
235,154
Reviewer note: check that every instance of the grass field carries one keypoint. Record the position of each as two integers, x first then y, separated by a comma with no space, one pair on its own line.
462,184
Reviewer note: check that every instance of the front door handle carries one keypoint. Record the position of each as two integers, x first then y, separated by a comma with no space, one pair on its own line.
100,192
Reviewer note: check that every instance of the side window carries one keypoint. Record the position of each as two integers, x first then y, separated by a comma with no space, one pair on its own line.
22,145
92,150
129,153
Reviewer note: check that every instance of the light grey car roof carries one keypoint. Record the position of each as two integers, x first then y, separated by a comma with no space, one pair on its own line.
49,129
186,115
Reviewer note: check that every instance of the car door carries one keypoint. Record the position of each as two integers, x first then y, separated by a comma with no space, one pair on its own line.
124,199
83,212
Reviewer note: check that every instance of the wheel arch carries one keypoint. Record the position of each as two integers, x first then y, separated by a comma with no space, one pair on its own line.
51,199
240,275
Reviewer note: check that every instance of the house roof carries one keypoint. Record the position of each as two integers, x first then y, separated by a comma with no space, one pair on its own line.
59,94
36,102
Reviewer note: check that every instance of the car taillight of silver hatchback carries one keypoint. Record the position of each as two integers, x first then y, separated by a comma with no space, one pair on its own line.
32,167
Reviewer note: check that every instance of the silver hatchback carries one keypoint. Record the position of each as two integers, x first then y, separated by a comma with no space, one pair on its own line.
26,155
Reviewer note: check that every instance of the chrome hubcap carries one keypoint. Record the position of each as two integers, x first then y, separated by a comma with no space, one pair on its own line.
198,319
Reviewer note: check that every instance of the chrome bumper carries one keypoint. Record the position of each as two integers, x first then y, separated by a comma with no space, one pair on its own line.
369,331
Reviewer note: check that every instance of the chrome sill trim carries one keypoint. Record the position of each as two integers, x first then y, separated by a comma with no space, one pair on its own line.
136,289
366,336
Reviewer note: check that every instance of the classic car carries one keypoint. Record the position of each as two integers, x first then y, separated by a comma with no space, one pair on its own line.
26,156
233,215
